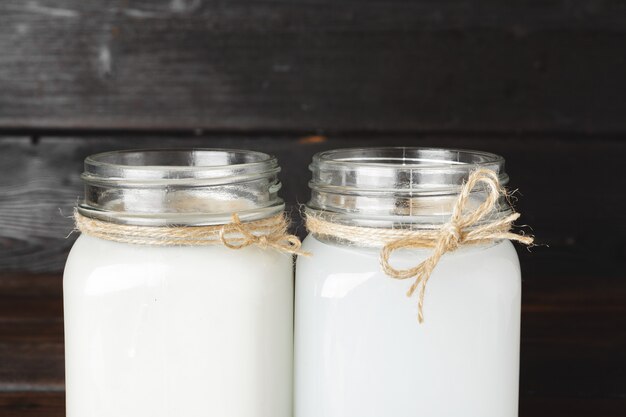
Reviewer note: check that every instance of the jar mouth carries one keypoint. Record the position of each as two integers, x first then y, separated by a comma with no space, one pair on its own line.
159,166
396,186
408,156
409,170
157,187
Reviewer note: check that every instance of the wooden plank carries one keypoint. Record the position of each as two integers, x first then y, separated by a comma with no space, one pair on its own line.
576,354
36,198
31,333
52,404
571,407
311,65
32,404
569,194
572,356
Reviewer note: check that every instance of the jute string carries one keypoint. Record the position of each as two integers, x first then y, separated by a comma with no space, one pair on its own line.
265,233
465,227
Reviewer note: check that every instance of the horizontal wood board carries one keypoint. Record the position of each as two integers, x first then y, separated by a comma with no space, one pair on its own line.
540,82
568,193
364,65
572,361
574,309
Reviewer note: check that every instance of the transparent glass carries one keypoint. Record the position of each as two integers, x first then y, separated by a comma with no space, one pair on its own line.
184,187
359,350
396,187
168,331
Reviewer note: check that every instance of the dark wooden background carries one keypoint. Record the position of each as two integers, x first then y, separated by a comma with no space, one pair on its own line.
541,82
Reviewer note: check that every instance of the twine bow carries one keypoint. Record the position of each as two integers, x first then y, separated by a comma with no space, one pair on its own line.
238,235
464,227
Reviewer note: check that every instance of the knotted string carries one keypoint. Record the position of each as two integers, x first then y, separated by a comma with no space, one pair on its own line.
277,237
464,228
266,233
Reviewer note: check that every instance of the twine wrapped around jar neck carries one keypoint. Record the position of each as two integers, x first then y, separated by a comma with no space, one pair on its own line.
266,233
463,228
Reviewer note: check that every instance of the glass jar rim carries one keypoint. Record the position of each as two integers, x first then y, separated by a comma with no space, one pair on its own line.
180,186
397,186
333,157
408,170
201,166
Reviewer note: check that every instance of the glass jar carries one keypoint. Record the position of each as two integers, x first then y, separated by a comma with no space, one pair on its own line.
360,351
156,331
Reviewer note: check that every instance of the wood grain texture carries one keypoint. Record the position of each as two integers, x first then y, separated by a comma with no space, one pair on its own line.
572,361
36,199
31,333
52,404
568,193
574,292
32,404
313,65
544,80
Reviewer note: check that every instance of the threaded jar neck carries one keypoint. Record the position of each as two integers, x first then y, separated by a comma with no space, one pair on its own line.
180,186
396,187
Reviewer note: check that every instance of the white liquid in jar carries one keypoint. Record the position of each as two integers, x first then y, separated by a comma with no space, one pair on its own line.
360,351
177,331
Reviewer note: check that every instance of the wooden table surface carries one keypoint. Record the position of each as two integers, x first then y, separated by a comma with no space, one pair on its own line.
541,83
573,351
573,356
